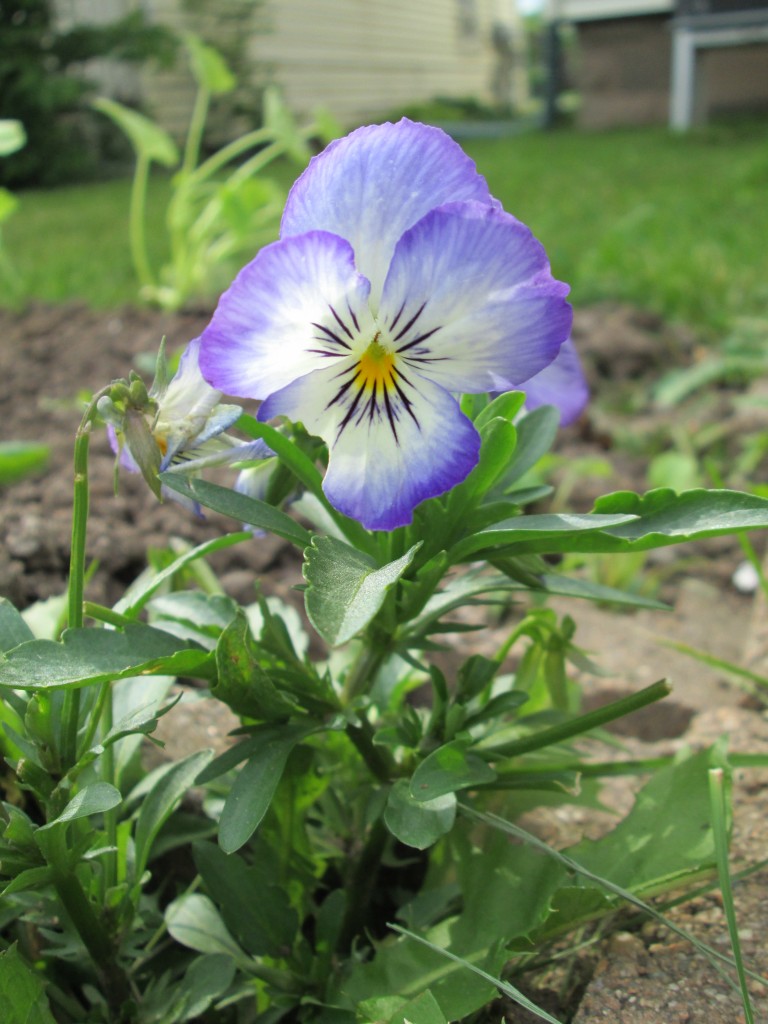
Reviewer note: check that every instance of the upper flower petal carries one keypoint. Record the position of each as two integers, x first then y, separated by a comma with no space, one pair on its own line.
386,454
282,312
470,302
375,183
561,384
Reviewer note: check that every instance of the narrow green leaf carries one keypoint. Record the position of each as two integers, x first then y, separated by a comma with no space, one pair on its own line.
255,908
523,533
448,769
505,406
206,978
249,799
208,66
346,588
93,799
31,878
415,822
239,506
22,991
281,123
86,656
536,433
20,458
134,600
147,138
162,799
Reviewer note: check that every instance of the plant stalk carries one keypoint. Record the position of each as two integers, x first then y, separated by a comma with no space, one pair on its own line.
582,724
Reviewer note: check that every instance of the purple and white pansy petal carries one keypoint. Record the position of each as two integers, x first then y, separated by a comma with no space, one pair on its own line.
281,314
469,300
561,384
375,183
394,439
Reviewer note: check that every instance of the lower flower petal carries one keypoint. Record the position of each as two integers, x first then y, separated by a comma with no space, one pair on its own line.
290,310
561,384
387,454
470,301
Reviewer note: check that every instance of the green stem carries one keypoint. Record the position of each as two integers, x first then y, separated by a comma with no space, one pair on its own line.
76,585
195,133
109,877
362,673
377,759
362,885
95,936
582,724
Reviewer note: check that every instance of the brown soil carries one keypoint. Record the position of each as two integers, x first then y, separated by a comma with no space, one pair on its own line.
50,355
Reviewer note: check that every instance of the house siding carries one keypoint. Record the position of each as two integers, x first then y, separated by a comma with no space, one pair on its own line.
364,59
361,59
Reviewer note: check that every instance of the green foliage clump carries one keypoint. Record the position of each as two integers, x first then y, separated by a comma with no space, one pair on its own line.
42,86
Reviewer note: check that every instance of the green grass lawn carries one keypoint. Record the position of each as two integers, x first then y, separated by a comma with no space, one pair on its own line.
675,224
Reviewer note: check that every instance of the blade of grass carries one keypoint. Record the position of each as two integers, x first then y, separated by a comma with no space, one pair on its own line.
717,799
503,986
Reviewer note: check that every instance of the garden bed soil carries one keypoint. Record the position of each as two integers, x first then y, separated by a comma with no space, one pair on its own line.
51,356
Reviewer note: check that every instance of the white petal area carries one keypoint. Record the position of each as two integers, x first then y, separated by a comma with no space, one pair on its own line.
473,288
297,305
375,183
383,461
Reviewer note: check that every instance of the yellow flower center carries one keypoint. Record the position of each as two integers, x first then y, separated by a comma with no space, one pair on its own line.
376,368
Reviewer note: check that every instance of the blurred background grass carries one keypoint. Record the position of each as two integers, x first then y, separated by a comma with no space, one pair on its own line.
673,224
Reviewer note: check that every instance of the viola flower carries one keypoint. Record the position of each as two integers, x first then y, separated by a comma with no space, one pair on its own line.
398,283
561,384
179,424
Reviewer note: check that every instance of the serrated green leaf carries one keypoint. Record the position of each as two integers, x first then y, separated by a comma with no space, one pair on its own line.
535,533
423,1009
241,682
418,823
654,520
252,792
239,506
148,139
667,832
346,588
13,628
448,769
22,991
169,787
86,656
